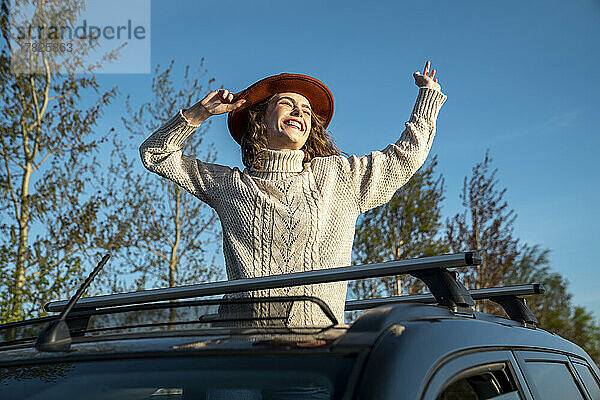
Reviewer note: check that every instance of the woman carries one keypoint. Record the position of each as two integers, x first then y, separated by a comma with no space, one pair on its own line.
294,207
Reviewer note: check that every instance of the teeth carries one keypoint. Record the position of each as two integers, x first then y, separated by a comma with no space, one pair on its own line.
294,123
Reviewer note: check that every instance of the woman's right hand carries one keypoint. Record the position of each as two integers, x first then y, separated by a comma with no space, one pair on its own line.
215,103
220,102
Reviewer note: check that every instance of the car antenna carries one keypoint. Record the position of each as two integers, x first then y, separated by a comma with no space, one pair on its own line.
56,336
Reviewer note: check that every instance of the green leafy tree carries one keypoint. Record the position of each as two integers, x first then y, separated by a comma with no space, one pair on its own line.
555,310
485,225
48,163
408,226
167,234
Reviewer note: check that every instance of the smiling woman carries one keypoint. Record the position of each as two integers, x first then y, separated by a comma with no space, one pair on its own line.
288,121
294,207
271,126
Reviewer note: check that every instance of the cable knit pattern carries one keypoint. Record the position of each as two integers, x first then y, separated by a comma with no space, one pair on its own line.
293,217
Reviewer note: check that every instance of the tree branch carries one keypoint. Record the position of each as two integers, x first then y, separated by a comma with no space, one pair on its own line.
156,224
9,180
152,250
62,96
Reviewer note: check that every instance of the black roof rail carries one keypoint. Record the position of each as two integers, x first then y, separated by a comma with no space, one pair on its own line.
506,297
232,313
441,282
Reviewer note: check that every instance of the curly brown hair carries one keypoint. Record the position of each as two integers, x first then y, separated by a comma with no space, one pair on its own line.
254,140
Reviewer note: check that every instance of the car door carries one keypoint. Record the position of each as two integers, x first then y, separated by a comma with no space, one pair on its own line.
485,375
551,376
588,376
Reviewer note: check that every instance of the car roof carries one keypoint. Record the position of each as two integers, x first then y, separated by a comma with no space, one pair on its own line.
118,323
428,332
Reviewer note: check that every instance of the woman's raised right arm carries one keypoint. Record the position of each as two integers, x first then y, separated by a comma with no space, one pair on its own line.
162,152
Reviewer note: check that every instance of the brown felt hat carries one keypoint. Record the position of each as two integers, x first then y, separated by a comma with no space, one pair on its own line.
319,96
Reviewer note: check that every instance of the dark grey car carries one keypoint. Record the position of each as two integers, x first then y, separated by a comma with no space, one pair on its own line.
411,347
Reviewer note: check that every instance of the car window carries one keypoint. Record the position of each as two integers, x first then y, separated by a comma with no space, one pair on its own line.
553,380
483,383
210,378
588,379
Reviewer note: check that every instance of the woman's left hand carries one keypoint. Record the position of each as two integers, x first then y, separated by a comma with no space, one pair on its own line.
427,78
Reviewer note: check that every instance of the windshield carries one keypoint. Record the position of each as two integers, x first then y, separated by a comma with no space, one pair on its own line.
197,378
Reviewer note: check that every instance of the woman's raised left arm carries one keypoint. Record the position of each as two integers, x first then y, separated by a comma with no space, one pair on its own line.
374,178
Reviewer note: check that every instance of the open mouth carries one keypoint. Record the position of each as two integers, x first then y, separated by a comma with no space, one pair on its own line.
294,124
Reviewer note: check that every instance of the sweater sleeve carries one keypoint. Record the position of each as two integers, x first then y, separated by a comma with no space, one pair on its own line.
162,154
374,178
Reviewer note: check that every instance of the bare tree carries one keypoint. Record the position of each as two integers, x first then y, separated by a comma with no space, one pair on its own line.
48,166
169,234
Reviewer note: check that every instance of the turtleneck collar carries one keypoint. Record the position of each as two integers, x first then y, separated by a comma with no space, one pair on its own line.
283,161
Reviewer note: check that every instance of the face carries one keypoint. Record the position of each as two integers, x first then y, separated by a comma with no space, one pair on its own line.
288,121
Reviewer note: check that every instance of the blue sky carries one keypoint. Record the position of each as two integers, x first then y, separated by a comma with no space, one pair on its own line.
521,78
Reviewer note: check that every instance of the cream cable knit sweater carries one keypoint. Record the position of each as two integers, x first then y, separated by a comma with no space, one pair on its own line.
294,217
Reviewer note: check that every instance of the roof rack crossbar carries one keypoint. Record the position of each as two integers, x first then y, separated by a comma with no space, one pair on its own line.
506,297
388,268
428,298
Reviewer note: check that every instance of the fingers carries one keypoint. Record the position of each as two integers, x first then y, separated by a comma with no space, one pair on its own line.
236,105
221,101
426,71
223,95
226,95
239,103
